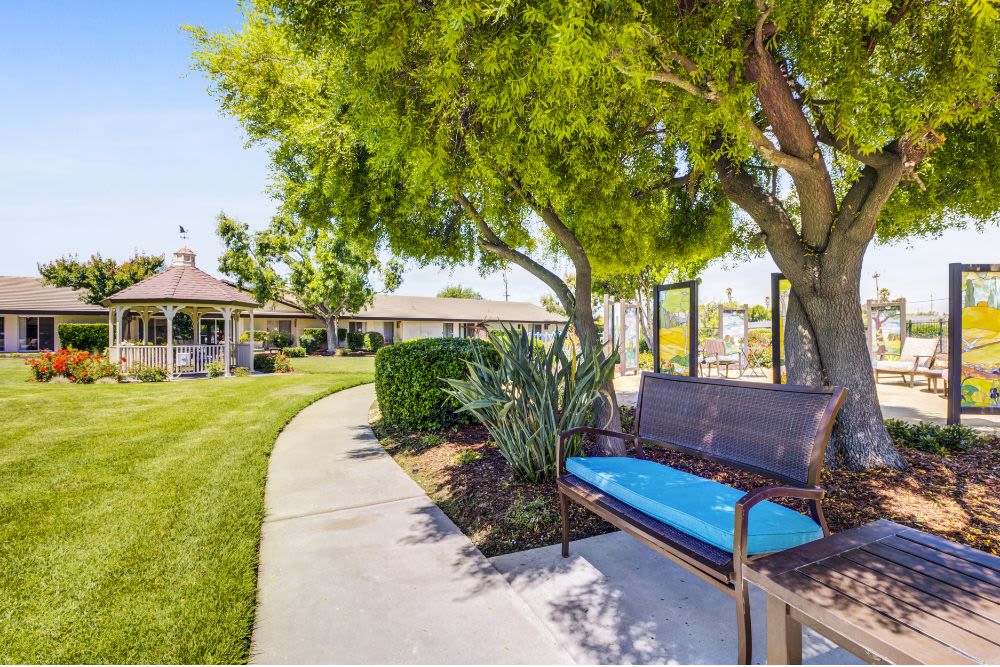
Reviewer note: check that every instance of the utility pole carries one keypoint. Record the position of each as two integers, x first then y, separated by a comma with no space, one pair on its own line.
506,288
876,276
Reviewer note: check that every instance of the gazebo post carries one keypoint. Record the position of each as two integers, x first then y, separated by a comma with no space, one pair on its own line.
111,330
169,312
227,319
252,340
119,312
145,325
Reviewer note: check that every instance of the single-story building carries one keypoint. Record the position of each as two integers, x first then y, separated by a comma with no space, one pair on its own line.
30,312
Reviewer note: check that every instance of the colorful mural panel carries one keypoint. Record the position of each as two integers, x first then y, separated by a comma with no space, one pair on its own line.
630,333
733,324
781,288
980,387
673,332
885,329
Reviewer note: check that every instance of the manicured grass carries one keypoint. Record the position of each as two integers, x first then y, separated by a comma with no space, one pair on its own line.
130,514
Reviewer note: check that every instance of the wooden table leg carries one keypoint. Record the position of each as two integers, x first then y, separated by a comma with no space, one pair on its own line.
784,634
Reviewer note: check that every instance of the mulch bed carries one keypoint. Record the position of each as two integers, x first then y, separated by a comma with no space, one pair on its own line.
953,496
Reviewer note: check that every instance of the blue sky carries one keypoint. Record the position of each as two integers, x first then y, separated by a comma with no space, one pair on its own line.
108,141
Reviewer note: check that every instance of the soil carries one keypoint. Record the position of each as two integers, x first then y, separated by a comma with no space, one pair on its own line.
954,496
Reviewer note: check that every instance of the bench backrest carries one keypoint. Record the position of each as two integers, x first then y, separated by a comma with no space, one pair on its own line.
779,431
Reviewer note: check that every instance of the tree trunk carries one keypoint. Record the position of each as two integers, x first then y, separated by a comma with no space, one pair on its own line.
606,408
332,340
825,344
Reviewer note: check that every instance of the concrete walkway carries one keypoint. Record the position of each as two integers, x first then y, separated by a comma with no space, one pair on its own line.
357,565
617,601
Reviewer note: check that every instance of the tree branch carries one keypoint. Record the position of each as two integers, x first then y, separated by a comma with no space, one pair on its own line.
489,241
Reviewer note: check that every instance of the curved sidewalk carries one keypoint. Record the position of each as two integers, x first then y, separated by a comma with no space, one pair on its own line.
357,565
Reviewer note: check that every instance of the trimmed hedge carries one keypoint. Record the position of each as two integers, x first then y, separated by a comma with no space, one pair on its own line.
409,385
355,341
87,337
279,339
293,351
373,340
263,362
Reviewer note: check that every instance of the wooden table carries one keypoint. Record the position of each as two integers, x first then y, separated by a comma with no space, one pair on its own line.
887,594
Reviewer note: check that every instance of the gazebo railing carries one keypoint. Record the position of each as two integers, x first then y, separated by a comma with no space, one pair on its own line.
188,359
195,358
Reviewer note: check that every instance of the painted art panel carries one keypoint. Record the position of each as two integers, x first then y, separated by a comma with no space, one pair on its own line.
980,340
784,290
674,334
734,329
886,331
630,355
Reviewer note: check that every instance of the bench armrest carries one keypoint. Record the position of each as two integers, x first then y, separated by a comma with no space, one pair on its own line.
581,430
746,503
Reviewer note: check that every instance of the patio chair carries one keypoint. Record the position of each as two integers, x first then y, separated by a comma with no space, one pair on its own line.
714,354
917,354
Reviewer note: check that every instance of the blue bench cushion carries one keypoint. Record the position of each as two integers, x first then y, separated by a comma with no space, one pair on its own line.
702,508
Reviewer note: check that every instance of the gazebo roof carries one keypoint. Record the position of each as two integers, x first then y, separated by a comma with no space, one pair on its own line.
182,282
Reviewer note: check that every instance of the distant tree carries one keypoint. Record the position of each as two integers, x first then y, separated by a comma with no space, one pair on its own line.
98,278
458,292
327,274
759,313
551,304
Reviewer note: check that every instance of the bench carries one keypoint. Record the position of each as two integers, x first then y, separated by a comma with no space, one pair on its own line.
777,431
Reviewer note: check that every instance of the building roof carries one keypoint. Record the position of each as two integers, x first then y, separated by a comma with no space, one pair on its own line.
19,294
182,282
399,307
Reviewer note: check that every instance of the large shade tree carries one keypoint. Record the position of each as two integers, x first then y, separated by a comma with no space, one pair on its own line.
829,124
411,127
326,274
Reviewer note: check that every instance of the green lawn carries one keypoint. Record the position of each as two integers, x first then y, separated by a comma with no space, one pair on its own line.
130,514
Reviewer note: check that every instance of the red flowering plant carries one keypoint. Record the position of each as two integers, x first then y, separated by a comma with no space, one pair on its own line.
77,365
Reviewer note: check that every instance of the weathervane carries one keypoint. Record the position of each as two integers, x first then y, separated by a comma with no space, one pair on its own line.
183,232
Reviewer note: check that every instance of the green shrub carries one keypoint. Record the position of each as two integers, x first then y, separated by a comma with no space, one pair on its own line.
263,362
293,351
144,373
313,339
934,438
278,339
923,329
215,369
467,456
89,337
259,336
241,372
531,397
646,361
409,380
355,340
372,341
282,364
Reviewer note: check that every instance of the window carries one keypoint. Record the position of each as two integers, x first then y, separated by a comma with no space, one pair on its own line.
467,330
356,327
36,333
448,330
213,331
285,327
536,330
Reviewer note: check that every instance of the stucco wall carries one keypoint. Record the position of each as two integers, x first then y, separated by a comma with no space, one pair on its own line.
11,327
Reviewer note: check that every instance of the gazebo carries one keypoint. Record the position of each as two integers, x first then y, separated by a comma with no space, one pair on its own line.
141,321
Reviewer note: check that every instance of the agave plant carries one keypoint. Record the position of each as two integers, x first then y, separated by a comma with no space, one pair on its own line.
535,393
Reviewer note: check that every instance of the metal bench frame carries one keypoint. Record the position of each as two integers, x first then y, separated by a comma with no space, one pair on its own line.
722,570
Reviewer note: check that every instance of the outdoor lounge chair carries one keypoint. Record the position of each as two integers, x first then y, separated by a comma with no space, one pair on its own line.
917,354
777,431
